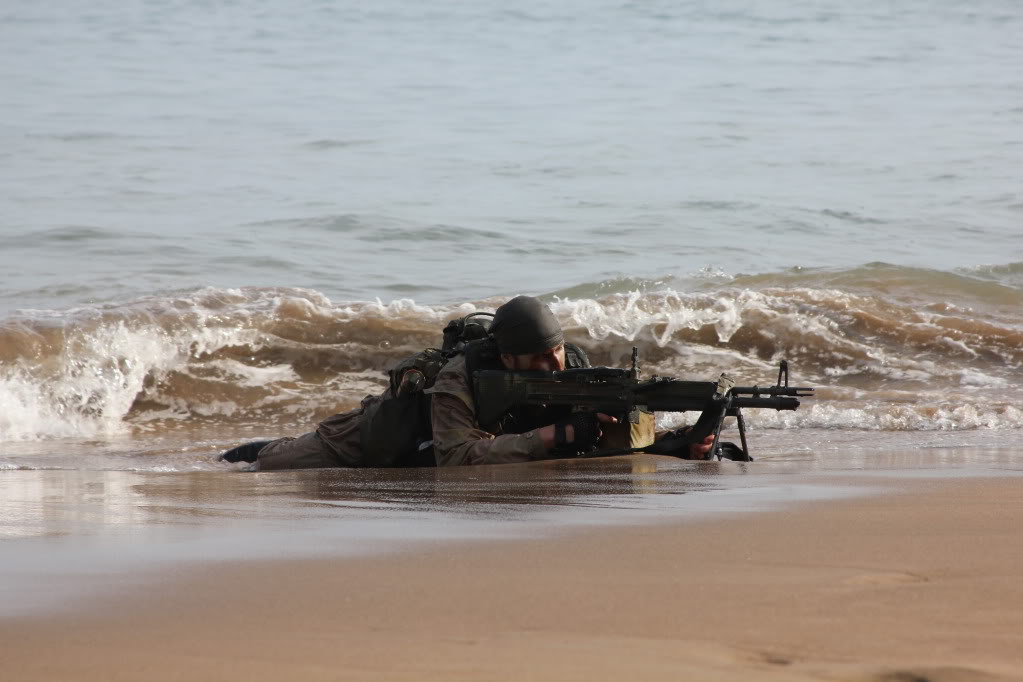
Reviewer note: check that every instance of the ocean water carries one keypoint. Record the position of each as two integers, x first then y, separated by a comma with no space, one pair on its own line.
225,220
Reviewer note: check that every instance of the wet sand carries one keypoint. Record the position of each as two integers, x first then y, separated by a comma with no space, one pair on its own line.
920,579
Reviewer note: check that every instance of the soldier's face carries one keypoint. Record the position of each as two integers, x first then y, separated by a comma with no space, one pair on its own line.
552,360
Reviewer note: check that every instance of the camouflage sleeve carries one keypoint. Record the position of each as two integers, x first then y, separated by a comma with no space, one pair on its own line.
457,439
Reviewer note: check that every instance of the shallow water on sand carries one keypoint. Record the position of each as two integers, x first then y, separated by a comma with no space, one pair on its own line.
66,535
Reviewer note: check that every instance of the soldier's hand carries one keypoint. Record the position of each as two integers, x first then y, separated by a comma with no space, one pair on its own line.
600,418
700,450
581,431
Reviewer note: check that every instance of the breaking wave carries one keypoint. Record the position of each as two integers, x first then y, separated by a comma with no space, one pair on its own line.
890,348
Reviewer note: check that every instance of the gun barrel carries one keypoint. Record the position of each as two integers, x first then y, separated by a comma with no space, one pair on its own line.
757,391
777,402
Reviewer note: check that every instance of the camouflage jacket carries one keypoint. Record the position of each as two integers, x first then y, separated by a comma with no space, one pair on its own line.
457,436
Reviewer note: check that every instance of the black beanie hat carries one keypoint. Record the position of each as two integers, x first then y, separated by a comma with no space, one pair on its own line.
525,325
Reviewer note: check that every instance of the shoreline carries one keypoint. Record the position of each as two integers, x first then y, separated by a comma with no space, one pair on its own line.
919,582
60,530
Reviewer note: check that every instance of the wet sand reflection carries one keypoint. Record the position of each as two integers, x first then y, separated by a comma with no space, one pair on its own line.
61,502
65,534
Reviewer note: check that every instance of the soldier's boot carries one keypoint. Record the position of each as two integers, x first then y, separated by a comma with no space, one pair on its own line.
246,452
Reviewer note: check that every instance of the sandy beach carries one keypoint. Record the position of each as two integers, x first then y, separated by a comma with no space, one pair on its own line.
920,582
227,222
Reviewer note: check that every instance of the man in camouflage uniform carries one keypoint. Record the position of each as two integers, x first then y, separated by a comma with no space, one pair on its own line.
528,337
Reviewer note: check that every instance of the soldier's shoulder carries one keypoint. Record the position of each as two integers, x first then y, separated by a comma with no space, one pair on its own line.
455,365
453,379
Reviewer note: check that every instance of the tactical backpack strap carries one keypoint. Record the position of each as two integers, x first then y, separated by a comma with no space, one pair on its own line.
575,357
481,355
462,331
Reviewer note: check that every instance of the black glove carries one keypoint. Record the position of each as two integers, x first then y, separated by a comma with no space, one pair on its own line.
587,430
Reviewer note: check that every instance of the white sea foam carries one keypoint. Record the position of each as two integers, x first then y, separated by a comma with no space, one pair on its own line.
104,365
887,417
236,355
89,388
247,375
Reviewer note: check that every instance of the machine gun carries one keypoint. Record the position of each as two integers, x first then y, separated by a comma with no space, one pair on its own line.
621,392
